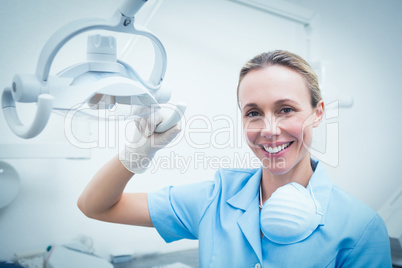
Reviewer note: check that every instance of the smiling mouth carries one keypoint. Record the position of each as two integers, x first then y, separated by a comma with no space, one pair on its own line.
277,149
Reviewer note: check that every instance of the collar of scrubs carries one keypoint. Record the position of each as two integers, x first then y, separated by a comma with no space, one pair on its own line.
247,200
321,186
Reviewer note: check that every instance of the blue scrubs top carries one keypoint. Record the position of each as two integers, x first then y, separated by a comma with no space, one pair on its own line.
224,215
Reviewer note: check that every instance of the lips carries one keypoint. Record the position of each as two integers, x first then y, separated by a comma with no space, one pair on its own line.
278,148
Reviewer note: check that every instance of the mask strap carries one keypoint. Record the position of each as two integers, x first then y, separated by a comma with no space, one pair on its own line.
317,210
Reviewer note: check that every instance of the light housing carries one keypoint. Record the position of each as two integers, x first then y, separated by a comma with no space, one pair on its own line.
113,81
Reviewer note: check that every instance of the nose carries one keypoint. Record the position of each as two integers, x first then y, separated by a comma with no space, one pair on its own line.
270,128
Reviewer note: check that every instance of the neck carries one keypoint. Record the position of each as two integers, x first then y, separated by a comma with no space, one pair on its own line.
301,173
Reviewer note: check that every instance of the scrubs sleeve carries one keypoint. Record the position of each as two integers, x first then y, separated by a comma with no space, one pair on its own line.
373,248
176,211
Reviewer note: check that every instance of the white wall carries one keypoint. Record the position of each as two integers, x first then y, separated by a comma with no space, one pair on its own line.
207,43
362,40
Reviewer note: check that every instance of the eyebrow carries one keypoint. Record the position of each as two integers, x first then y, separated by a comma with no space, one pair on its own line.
284,100
276,103
250,105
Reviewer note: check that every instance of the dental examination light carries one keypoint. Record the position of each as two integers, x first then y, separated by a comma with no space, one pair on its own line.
101,82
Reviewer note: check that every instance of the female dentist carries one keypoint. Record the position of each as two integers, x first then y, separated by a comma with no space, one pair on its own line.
285,214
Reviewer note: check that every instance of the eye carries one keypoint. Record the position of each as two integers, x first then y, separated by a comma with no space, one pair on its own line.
252,114
286,110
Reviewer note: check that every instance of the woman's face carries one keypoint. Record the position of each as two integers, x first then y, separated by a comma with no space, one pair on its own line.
278,117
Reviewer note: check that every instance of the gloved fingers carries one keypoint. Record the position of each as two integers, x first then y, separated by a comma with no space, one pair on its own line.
141,111
140,123
151,122
140,114
147,124
162,139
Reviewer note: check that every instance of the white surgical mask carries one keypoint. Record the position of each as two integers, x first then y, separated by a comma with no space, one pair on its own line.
290,215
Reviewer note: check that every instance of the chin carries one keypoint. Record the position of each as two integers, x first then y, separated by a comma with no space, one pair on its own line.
276,166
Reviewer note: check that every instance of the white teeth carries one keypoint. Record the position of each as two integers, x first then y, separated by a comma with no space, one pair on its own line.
277,149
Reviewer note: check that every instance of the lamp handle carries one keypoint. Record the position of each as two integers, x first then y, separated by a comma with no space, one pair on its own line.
45,106
130,7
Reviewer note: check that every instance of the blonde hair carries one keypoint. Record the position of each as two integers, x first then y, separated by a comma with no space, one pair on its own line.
286,59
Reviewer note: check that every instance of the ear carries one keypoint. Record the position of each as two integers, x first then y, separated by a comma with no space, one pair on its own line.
319,113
